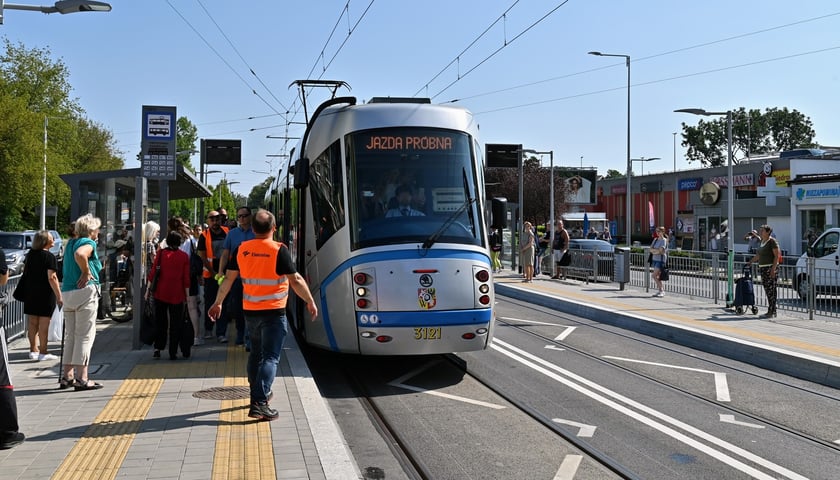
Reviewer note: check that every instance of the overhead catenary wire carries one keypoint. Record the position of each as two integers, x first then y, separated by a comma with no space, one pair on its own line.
219,28
641,59
230,67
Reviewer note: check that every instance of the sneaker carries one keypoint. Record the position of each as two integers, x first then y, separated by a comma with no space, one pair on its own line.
198,341
47,356
222,339
659,294
34,355
769,315
11,440
262,412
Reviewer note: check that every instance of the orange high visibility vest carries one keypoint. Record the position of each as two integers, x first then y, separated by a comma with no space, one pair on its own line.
262,288
208,245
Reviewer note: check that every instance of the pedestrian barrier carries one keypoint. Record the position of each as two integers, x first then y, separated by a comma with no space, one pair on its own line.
11,311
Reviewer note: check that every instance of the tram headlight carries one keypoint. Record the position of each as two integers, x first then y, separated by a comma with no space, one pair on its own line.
484,288
361,291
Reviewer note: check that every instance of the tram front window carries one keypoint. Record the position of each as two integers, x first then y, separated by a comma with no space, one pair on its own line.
408,183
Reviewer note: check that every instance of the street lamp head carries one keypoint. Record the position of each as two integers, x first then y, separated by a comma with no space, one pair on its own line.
595,53
72,6
693,111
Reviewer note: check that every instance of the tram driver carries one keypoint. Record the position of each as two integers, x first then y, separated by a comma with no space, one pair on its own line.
403,207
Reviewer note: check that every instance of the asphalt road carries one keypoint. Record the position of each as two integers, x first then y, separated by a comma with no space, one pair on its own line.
659,410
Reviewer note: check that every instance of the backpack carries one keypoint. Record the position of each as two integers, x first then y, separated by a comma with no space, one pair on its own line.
196,263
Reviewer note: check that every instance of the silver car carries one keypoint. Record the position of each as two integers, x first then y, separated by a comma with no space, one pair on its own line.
15,245
58,243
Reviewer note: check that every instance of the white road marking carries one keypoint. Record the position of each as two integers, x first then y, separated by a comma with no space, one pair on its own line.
511,319
566,333
721,383
554,347
727,418
400,382
585,430
648,416
569,467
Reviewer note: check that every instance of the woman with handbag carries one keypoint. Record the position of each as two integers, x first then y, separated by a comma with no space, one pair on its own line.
169,283
659,250
80,290
42,293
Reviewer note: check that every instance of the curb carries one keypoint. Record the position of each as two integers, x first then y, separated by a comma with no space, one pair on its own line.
806,367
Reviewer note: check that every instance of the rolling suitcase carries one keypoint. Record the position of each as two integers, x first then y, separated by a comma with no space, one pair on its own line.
745,292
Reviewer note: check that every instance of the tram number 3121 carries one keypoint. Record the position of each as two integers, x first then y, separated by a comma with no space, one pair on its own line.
427,333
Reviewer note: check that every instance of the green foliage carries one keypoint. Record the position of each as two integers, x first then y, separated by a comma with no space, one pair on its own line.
613,174
185,140
34,97
753,133
257,196
504,182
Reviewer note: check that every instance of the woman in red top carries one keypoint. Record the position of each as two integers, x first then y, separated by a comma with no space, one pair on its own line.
171,292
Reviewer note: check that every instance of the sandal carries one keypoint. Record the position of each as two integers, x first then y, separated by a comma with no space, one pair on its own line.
65,383
87,385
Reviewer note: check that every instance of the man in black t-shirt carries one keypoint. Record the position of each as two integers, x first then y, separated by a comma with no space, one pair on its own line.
9,434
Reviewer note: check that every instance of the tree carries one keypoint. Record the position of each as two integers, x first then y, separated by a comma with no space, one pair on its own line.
775,130
35,89
257,196
504,182
614,174
186,136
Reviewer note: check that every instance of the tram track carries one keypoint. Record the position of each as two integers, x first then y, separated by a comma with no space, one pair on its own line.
833,446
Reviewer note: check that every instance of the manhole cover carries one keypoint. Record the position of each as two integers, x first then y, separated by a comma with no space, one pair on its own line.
223,393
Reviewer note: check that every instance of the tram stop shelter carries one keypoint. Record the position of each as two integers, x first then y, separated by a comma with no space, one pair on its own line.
125,200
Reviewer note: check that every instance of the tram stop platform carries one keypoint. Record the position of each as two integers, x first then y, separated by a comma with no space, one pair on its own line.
791,344
164,419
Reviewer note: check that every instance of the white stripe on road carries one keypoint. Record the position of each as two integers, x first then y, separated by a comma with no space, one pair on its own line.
721,384
568,468
592,389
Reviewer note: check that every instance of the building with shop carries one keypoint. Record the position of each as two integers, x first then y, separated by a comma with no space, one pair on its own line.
693,203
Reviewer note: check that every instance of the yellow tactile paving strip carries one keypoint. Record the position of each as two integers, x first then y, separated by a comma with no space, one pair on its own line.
243,446
667,315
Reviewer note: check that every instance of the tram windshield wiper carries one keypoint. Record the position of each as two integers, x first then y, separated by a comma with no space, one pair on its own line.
468,201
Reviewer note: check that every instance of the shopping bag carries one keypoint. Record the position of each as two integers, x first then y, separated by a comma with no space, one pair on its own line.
664,273
56,325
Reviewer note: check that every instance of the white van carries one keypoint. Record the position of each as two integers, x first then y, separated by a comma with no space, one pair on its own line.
826,266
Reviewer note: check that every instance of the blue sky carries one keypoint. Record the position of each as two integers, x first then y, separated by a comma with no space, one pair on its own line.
528,78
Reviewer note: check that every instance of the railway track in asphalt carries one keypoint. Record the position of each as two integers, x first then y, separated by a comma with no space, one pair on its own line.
710,363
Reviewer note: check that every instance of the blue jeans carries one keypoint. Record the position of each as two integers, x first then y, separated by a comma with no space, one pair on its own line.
267,336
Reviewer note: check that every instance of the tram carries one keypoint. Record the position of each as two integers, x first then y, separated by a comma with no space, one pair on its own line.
381,206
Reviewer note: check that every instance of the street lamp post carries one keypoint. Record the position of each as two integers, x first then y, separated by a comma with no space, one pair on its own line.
62,7
629,165
730,200
676,186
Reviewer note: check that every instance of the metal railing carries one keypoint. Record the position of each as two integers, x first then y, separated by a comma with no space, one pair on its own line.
704,275
12,317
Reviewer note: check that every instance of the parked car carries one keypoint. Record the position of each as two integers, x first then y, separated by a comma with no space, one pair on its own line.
826,256
584,251
15,245
58,247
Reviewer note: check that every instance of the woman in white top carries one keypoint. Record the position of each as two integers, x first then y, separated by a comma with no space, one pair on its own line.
659,250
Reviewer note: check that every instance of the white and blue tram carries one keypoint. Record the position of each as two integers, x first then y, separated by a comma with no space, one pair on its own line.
381,205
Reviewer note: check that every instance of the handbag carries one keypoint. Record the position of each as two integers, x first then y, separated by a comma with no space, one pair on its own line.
147,323
664,273
56,325
187,333
153,287
566,259
19,293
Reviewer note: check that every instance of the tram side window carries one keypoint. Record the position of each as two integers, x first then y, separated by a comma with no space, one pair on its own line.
326,184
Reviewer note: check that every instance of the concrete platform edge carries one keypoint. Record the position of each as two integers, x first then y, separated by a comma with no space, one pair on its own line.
771,358
336,460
